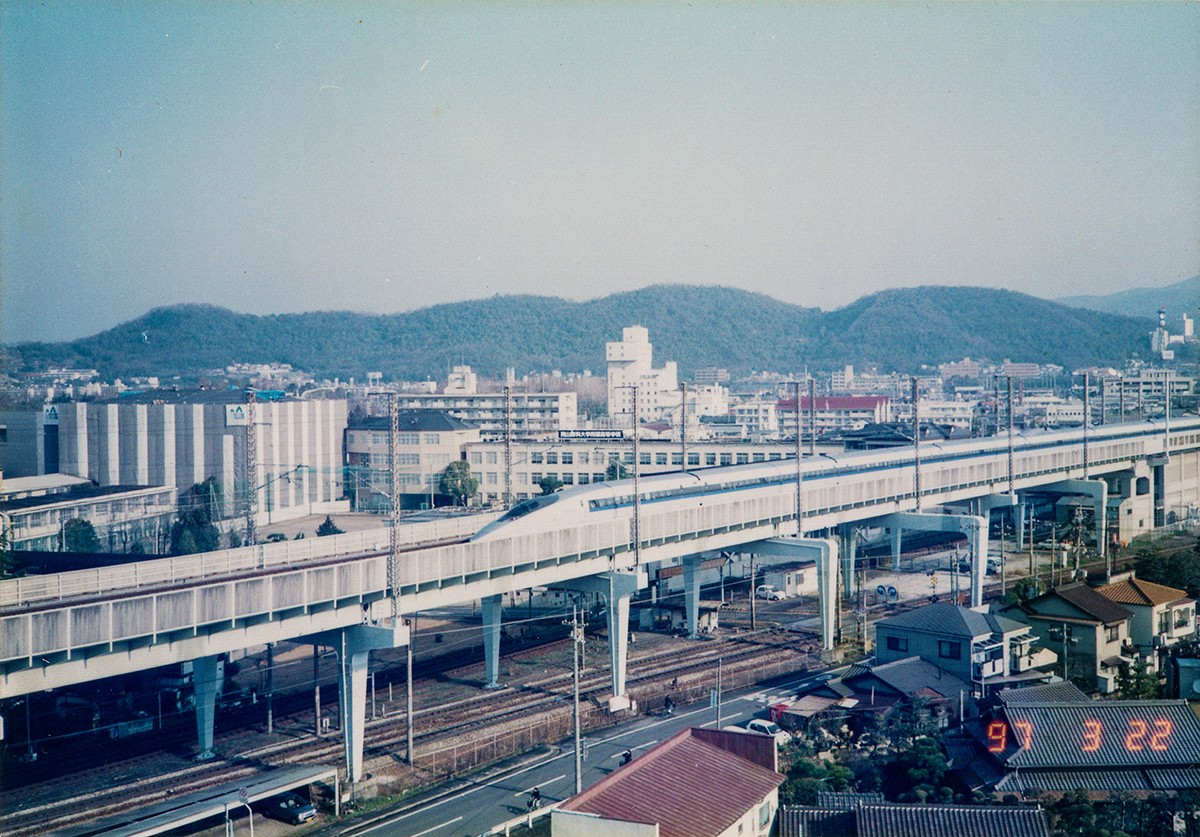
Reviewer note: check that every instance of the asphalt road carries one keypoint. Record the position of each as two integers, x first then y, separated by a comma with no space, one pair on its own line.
480,808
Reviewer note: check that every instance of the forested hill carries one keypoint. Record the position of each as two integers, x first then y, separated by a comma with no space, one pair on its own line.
1179,298
692,325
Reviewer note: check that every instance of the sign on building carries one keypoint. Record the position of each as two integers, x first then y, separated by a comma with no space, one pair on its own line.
49,414
235,415
606,435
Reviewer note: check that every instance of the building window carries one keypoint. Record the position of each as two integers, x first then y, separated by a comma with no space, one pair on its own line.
536,457
644,459
403,439
1164,621
764,815
949,650
583,457
476,458
568,478
693,459
535,477
1183,618
743,458
710,459
660,459
897,643
584,479
1112,633
433,438
597,477
491,457
677,459
727,459
568,458
552,458
759,457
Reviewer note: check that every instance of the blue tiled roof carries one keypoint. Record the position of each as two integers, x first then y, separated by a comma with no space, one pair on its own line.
1101,734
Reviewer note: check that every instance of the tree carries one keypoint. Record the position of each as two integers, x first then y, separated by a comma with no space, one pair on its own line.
329,528
1179,568
616,471
79,536
1134,682
1023,590
458,481
550,484
194,530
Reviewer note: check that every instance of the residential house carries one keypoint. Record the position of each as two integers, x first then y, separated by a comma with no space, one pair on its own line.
876,690
735,791
883,819
1102,746
975,646
1090,633
1162,616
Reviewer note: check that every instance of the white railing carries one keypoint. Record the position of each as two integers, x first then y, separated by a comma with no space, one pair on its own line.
164,571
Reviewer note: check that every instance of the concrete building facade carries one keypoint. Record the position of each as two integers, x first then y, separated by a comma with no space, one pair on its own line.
179,439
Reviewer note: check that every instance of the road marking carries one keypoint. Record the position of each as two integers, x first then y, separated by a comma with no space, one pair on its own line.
540,785
436,827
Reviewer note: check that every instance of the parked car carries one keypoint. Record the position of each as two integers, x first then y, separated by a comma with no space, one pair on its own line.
769,592
289,807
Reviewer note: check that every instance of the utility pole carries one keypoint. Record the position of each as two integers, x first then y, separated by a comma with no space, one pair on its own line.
317,687
408,690
270,688
753,597
1087,420
635,522
812,417
577,641
799,468
393,566
508,432
916,401
251,465
717,693
683,427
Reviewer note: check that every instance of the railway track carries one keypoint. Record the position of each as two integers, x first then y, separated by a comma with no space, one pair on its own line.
107,790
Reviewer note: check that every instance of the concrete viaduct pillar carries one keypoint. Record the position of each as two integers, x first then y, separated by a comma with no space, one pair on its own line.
973,526
353,646
825,552
617,589
491,640
206,685
1096,489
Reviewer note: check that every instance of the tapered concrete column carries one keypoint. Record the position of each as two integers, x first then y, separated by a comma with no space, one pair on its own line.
617,588
973,526
897,543
621,586
691,591
206,685
353,646
491,640
848,549
1098,490
1019,516
825,552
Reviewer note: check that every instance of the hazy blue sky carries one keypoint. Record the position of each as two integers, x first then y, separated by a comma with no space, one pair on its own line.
286,156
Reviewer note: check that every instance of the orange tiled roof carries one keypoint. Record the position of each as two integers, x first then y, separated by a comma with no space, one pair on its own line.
1137,591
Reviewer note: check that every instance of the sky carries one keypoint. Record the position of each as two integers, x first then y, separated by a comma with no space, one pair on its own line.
274,157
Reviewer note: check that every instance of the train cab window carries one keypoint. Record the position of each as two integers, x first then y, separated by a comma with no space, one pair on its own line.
526,506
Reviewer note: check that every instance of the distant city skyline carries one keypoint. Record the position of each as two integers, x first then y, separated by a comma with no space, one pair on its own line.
275,157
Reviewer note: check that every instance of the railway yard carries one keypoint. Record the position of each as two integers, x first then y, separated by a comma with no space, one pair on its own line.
458,727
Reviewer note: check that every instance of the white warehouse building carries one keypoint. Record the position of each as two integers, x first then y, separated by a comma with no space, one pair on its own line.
182,438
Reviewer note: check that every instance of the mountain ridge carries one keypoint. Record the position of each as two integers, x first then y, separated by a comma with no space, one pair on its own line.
696,326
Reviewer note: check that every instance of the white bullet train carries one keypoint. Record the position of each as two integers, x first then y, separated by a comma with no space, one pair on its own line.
862,474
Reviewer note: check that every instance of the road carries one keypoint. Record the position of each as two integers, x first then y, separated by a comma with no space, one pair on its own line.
480,808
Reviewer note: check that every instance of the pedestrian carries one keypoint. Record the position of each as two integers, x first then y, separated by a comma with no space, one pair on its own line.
668,704
626,757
